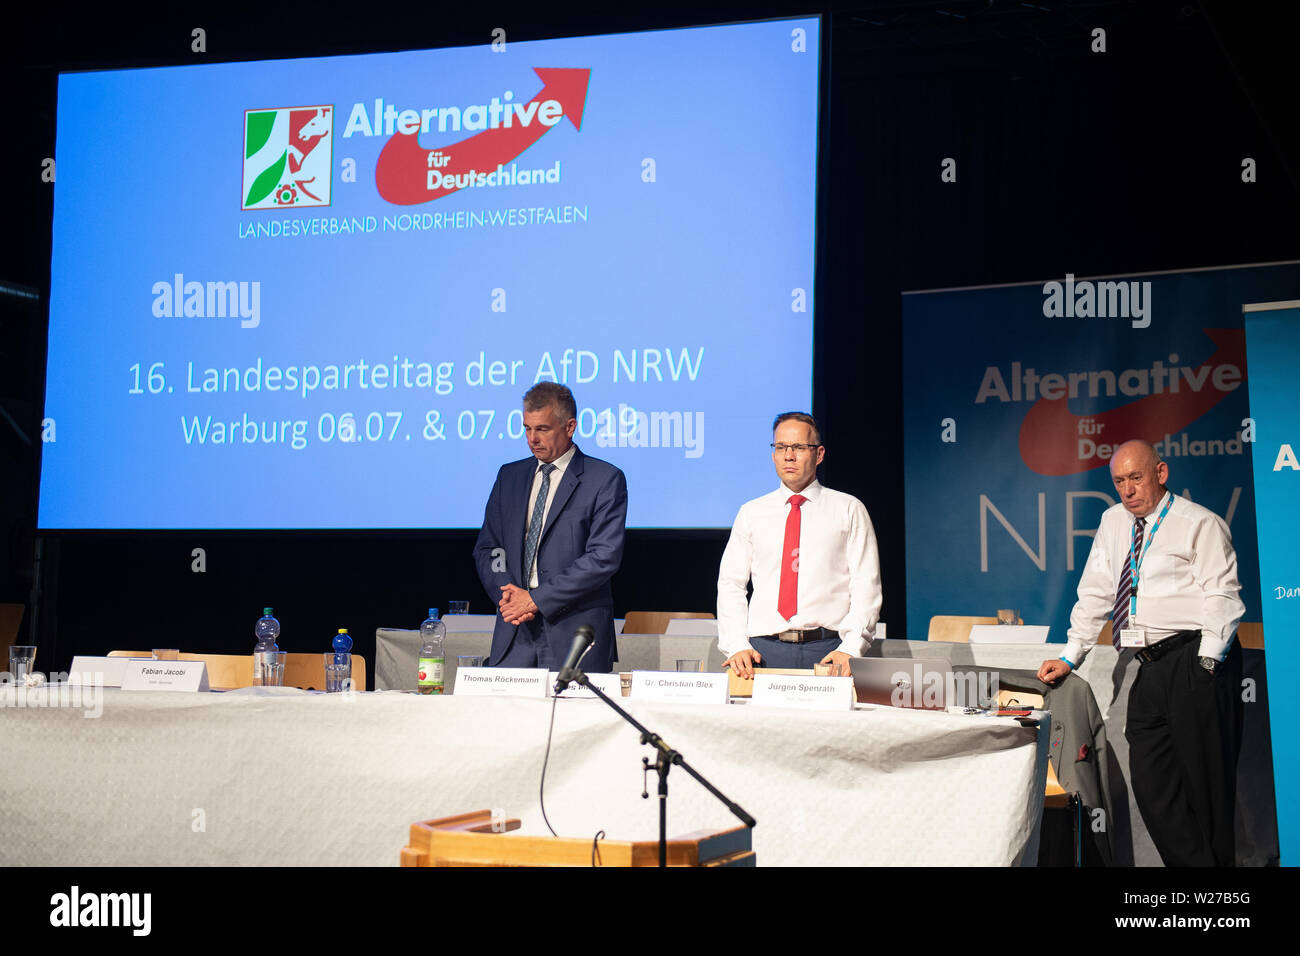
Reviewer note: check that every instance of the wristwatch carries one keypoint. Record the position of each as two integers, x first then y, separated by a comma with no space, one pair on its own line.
1209,663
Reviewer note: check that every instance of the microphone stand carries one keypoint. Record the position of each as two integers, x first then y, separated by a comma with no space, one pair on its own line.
665,758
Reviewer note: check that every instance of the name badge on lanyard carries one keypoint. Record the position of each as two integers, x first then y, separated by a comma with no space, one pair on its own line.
1132,637
1136,636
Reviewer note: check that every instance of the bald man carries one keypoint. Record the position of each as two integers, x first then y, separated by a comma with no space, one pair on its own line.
1165,569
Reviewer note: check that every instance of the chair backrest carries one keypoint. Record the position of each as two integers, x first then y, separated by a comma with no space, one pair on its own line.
955,628
11,619
656,622
1008,698
308,671
225,671
1250,634
1106,636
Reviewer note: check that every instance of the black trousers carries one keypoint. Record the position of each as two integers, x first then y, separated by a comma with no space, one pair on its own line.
1184,735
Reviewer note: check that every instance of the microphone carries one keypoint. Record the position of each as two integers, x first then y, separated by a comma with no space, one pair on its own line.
583,638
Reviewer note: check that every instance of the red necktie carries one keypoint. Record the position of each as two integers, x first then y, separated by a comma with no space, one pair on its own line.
787,603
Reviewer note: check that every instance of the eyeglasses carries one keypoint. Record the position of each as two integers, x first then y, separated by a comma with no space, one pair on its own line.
782,447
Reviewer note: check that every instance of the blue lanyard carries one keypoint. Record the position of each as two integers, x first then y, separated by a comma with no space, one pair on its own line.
1135,560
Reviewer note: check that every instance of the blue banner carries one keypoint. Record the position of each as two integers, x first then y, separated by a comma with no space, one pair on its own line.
1015,399
1273,347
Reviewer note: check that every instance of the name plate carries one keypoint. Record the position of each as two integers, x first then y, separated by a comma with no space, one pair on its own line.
1009,634
804,693
165,675
608,684
680,688
501,681
104,671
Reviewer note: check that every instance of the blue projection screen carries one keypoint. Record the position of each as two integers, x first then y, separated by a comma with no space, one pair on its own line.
311,293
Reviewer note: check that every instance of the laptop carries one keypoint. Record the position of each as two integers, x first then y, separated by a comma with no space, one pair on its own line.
907,682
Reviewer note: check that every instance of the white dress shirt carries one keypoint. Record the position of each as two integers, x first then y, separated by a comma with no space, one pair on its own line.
839,570
1187,579
560,464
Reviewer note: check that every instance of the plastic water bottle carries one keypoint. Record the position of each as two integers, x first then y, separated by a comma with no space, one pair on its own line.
433,656
266,630
339,677
342,647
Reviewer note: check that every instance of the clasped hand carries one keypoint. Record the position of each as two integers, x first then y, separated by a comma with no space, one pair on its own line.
516,605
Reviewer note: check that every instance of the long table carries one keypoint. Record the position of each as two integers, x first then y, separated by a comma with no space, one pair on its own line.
1109,671
279,776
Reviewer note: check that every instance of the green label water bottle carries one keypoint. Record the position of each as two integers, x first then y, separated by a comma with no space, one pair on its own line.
433,656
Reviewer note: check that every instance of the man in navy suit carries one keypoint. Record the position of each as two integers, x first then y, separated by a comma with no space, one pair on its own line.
552,538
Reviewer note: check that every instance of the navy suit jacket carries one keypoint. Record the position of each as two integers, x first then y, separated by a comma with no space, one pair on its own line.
580,550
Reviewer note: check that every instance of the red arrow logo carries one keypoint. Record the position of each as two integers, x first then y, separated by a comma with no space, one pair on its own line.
1049,434
402,172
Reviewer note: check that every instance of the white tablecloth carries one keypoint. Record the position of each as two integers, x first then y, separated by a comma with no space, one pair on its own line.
1107,671
279,776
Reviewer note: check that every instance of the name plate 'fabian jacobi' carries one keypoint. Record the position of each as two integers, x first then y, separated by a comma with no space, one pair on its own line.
165,675
680,688
805,693
501,682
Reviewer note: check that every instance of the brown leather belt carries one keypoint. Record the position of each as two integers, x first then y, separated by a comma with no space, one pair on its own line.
803,637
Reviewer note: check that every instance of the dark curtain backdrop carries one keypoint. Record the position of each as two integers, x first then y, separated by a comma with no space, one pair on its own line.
1067,161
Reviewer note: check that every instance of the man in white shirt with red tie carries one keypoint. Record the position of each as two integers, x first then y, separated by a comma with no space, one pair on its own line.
1165,570
811,554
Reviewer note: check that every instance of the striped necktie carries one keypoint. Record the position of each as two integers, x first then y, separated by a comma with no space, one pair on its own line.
1119,618
535,524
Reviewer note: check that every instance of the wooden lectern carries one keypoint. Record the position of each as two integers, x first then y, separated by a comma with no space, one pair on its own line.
477,839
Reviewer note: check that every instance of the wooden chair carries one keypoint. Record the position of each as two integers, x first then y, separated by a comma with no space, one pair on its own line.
1054,795
308,671
225,671
656,622
1106,637
1251,635
954,628
11,619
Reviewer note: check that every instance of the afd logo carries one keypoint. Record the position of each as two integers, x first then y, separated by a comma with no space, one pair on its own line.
408,174
287,157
